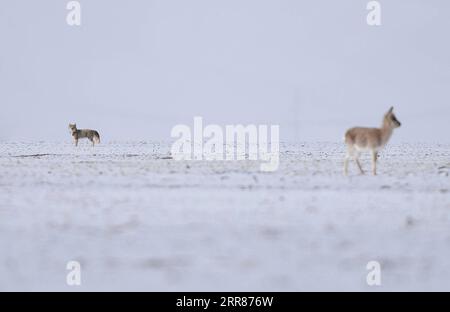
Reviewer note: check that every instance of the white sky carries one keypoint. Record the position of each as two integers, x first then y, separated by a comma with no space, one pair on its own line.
134,69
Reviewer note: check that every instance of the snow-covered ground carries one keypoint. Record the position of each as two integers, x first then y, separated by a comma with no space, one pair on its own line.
137,220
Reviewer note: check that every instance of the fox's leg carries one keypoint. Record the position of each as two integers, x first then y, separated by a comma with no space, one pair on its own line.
374,162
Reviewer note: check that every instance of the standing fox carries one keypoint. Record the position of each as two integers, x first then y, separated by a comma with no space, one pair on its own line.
92,135
373,139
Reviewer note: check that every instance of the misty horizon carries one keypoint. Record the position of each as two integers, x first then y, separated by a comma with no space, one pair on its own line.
134,71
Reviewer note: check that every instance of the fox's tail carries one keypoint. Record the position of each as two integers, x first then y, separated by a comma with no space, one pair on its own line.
97,137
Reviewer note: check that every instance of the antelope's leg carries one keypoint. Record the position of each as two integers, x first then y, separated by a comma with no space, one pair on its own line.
348,155
346,164
359,164
374,162
347,158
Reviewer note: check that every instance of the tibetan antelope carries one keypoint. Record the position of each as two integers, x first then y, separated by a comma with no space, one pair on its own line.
369,139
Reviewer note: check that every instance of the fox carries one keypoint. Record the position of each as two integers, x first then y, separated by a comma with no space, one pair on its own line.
92,135
360,139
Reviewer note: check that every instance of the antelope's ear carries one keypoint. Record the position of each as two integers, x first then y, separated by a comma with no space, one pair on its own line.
390,110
